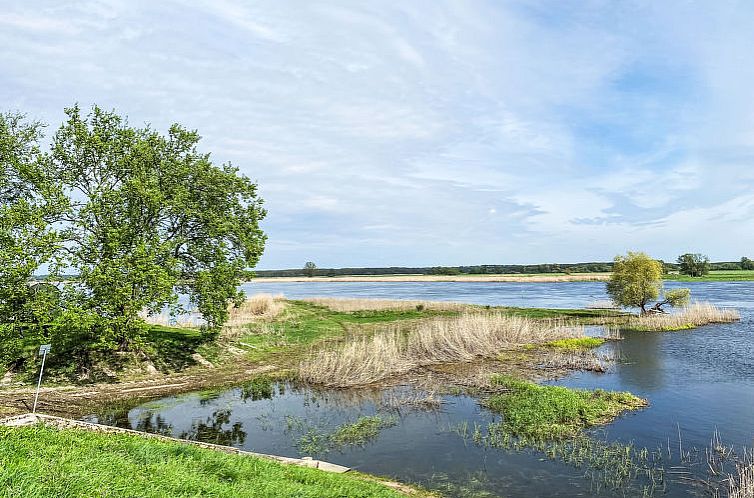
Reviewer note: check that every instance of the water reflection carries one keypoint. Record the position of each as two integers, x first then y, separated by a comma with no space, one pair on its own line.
211,430
643,351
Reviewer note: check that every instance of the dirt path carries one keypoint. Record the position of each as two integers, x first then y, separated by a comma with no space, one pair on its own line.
80,400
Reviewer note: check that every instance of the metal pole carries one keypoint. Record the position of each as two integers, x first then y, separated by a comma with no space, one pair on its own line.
39,383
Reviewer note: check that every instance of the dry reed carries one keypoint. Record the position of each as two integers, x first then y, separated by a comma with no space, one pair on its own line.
741,485
365,360
696,315
358,304
256,307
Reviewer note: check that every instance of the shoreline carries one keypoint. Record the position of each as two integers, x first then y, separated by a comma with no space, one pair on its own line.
578,277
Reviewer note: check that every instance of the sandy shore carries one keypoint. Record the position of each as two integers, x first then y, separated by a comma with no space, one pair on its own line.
576,277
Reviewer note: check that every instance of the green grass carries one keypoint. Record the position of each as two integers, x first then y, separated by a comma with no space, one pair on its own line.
42,461
715,276
553,412
170,348
580,315
576,343
302,324
362,431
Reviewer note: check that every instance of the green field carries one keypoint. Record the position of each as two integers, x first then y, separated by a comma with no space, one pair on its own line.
43,461
715,276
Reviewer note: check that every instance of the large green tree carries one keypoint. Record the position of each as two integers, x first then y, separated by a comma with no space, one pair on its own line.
29,203
149,216
694,265
636,282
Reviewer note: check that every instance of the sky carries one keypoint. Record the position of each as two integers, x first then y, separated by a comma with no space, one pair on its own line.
423,133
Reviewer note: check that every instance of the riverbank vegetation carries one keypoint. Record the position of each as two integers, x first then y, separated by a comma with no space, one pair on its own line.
695,315
363,360
554,412
67,463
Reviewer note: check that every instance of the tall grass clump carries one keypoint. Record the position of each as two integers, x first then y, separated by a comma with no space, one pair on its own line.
254,308
348,305
364,360
695,315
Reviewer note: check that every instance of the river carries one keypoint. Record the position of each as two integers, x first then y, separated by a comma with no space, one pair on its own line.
696,381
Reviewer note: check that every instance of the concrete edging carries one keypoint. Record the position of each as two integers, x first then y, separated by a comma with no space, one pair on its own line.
64,423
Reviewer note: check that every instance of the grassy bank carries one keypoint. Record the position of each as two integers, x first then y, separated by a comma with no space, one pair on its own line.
714,276
42,461
553,412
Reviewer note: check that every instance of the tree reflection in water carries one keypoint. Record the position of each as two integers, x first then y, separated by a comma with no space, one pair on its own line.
212,430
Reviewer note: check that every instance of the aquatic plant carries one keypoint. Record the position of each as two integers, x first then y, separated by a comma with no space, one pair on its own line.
555,412
316,441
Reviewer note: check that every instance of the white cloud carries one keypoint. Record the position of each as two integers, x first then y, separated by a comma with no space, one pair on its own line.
437,133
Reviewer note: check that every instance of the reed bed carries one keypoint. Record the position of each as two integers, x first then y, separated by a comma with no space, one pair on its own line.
741,484
696,315
357,304
364,360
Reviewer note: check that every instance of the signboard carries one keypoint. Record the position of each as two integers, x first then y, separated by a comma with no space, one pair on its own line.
44,349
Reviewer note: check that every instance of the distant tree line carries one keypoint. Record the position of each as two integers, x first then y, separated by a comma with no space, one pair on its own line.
594,267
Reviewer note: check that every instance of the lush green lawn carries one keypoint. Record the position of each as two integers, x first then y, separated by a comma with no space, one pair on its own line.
551,412
715,276
41,461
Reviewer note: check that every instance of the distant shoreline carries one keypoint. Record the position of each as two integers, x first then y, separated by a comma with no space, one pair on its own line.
713,276
578,277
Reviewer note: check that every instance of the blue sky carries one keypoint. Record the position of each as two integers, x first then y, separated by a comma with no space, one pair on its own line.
431,132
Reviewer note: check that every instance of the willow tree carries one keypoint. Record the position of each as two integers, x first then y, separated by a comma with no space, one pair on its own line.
636,282
148,216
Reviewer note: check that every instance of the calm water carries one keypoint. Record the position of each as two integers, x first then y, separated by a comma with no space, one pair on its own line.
696,381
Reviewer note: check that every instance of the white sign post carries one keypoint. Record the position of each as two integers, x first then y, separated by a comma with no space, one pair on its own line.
43,350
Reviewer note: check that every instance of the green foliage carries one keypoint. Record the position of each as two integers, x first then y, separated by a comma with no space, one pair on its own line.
445,270
694,265
677,298
41,461
636,280
136,216
310,269
553,412
747,264
576,343
29,203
